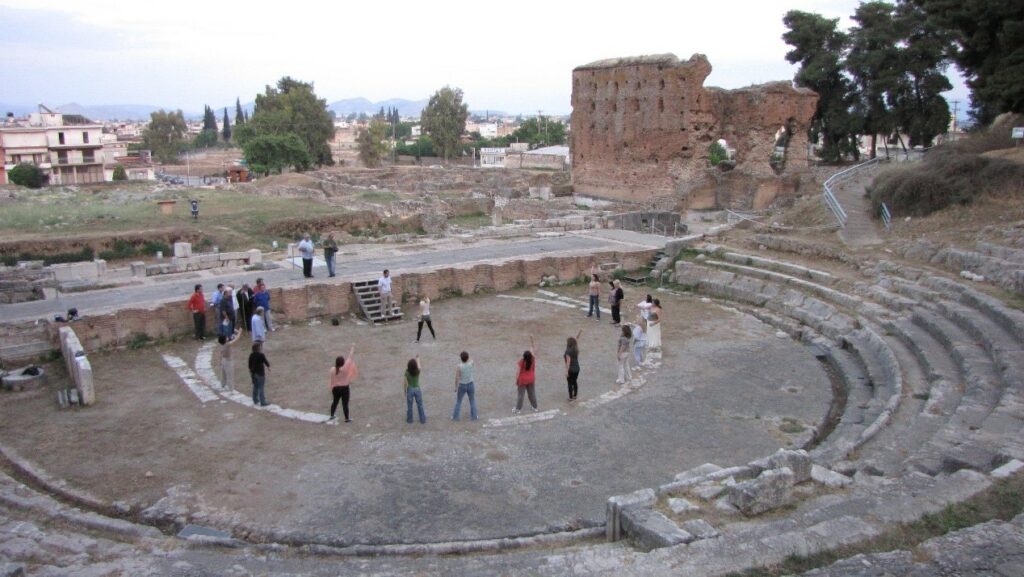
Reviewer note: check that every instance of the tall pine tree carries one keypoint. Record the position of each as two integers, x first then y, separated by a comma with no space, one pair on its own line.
226,131
239,113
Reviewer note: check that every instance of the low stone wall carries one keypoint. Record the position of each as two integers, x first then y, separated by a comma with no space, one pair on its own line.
199,262
120,328
79,369
25,283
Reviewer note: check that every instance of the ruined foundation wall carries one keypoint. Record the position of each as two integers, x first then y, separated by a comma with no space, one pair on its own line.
642,127
293,304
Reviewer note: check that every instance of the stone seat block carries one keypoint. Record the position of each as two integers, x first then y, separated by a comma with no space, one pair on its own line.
650,529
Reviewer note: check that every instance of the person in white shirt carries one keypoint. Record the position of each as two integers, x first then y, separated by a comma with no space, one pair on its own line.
425,318
384,286
306,250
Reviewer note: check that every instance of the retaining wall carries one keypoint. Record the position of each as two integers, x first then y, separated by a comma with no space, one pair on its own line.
297,303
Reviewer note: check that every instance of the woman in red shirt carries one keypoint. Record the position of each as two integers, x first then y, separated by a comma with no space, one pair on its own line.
526,379
197,304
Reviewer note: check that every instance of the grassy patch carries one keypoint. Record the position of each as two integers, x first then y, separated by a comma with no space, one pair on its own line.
791,426
472,220
1003,501
379,196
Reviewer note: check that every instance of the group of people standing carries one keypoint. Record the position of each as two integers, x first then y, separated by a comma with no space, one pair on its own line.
307,249
248,309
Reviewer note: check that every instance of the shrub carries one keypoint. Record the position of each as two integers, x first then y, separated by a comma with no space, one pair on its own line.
120,173
717,154
946,177
28,175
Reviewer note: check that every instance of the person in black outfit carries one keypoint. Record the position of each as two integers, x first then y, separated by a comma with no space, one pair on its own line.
245,308
572,364
258,367
617,297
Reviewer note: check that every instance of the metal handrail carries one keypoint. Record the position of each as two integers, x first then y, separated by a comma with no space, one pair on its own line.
830,197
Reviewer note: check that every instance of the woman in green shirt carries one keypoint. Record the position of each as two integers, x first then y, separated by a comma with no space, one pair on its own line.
412,391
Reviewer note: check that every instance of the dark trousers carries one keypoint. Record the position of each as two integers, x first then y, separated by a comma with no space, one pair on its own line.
199,320
419,329
615,314
307,267
340,394
573,386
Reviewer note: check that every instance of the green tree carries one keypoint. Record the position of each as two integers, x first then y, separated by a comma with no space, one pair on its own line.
292,108
373,147
120,173
988,47
874,62
226,131
209,119
28,175
444,119
239,112
165,135
921,111
205,139
539,132
272,153
818,47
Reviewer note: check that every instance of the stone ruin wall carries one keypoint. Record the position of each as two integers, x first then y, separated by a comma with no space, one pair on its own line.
118,329
642,127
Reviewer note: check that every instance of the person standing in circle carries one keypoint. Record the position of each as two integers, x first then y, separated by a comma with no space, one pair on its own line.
384,290
645,307
465,386
623,352
227,366
197,304
572,364
330,251
258,367
413,391
526,379
425,318
654,326
594,291
639,341
616,297
259,328
340,378
306,251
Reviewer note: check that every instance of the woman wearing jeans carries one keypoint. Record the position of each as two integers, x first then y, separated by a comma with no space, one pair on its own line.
341,376
413,391
526,379
465,386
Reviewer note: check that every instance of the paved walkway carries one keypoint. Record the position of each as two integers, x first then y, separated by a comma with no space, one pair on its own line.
861,228
363,263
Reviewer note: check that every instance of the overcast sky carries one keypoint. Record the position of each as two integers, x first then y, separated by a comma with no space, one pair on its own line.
510,56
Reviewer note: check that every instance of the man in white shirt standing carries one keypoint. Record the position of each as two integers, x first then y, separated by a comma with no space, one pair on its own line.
306,250
384,286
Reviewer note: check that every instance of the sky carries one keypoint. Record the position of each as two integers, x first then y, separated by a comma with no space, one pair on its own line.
516,57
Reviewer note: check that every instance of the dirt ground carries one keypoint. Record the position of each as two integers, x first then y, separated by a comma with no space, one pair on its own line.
724,386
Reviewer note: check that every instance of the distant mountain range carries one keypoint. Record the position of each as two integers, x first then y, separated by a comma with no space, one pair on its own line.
341,108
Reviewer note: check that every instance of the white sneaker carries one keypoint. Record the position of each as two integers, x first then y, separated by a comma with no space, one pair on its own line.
515,411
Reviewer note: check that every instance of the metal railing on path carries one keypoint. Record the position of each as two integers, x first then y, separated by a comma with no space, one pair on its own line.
830,197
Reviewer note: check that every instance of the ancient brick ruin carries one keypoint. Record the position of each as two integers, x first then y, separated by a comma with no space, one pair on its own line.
642,128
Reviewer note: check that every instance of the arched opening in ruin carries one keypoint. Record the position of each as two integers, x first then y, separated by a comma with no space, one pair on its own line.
720,155
782,137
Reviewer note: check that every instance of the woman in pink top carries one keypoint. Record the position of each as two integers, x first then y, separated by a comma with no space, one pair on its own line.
341,376
526,379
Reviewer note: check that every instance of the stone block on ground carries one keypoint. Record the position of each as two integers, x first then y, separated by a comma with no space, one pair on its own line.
680,506
829,478
255,256
182,249
770,490
798,461
12,570
700,529
644,498
649,529
1008,470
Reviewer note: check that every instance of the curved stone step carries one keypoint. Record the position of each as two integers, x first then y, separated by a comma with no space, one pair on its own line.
983,388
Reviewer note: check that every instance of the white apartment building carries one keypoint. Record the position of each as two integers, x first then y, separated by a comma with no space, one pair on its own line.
68,151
